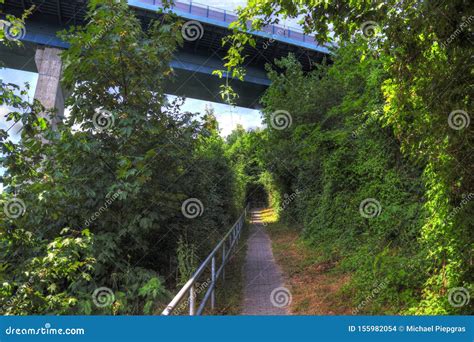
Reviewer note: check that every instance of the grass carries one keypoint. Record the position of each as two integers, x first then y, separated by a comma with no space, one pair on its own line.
316,286
229,293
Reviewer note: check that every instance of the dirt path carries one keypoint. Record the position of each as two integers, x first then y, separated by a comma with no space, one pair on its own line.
264,292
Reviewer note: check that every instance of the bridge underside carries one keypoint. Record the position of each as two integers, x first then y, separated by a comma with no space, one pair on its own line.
193,63
192,79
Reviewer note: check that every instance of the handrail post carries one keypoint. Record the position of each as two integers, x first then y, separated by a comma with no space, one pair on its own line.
241,225
226,246
213,282
192,301
223,261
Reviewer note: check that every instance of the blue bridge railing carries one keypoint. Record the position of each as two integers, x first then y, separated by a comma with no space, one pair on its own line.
226,17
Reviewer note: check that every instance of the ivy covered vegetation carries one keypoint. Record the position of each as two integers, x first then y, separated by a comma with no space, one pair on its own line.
101,195
385,128
362,155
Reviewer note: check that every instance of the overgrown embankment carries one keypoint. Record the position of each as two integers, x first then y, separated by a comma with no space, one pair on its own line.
315,285
113,210
333,167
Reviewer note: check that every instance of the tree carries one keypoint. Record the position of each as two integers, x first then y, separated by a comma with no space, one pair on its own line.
424,47
116,174
33,271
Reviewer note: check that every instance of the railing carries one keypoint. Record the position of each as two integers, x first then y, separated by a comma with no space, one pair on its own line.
203,10
223,250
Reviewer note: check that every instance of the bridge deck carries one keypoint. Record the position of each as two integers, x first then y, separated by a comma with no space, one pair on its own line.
194,62
216,16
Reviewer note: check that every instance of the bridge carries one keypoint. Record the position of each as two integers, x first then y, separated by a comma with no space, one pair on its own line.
193,63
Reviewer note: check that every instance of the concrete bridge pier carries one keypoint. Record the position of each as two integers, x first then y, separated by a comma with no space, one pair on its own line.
48,88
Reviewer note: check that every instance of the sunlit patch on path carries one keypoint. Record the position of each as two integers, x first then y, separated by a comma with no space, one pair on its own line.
264,292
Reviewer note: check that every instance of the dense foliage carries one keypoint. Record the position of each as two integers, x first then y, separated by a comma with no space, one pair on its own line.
414,80
334,156
101,195
366,154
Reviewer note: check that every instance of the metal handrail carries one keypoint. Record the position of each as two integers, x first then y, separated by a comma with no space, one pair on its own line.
199,4
227,244
282,30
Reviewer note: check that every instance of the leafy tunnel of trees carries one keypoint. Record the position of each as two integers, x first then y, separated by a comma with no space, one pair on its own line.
372,124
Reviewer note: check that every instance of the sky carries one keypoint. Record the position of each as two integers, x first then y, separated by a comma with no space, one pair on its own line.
19,78
231,5
227,116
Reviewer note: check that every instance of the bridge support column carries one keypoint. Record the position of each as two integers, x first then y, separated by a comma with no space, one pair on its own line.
48,89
